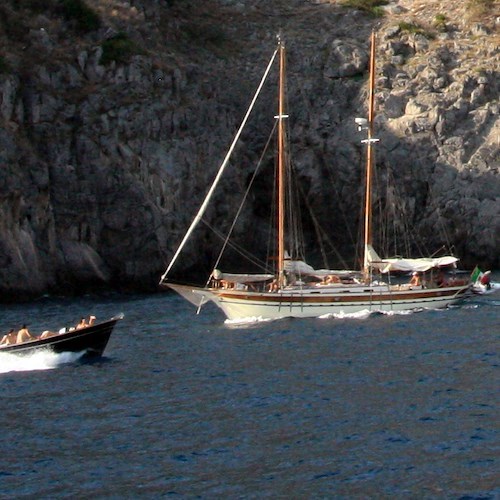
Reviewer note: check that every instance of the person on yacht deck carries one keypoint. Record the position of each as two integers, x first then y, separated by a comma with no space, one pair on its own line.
415,279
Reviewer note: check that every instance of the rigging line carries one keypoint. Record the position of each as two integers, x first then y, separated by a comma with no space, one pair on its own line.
333,184
394,208
401,243
407,230
317,229
411,241
296,216
378,219
390,225
360,230
389,219
271,250
382,234
293,211
442,247
251,258
204,205
320,233
250,184
295,230
387,233
389,215
443,229
408,233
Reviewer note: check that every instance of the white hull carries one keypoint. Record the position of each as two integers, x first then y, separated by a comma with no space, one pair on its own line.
310,302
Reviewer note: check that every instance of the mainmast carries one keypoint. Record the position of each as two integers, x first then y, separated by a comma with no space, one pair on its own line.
281,165
370,156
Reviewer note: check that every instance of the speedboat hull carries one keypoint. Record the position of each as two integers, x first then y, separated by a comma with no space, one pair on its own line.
92,341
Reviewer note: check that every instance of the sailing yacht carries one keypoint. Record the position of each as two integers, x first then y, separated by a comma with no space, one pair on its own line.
294,288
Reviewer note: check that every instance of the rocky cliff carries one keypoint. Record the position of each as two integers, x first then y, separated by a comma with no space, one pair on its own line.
116,115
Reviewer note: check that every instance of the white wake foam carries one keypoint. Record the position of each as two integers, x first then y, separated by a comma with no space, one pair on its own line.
40,360
403,313
247,321
365,313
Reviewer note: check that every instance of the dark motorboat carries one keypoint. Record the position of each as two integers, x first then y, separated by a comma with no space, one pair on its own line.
91,340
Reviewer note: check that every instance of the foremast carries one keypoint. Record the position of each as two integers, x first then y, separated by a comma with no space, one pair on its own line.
370,160
281,164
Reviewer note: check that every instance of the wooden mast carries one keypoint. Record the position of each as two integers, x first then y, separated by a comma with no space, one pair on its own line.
281,166
369,161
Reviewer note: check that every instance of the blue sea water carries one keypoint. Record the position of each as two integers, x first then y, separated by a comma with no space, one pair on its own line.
372,406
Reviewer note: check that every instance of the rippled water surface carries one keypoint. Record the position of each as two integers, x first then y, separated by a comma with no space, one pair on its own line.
375,406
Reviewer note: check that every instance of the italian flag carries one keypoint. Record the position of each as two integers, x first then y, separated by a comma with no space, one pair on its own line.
476,274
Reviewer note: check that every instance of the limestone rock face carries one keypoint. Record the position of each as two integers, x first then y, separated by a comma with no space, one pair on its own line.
104,164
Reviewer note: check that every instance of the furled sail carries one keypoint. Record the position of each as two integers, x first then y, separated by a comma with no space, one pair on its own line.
416,265
241,278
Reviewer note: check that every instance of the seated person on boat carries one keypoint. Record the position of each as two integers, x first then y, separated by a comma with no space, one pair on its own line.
84,323
9,338
273,286
23,335
416,280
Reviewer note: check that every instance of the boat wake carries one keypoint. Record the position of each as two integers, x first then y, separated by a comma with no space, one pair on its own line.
404,313
247,321
40,360
366,313
466,306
